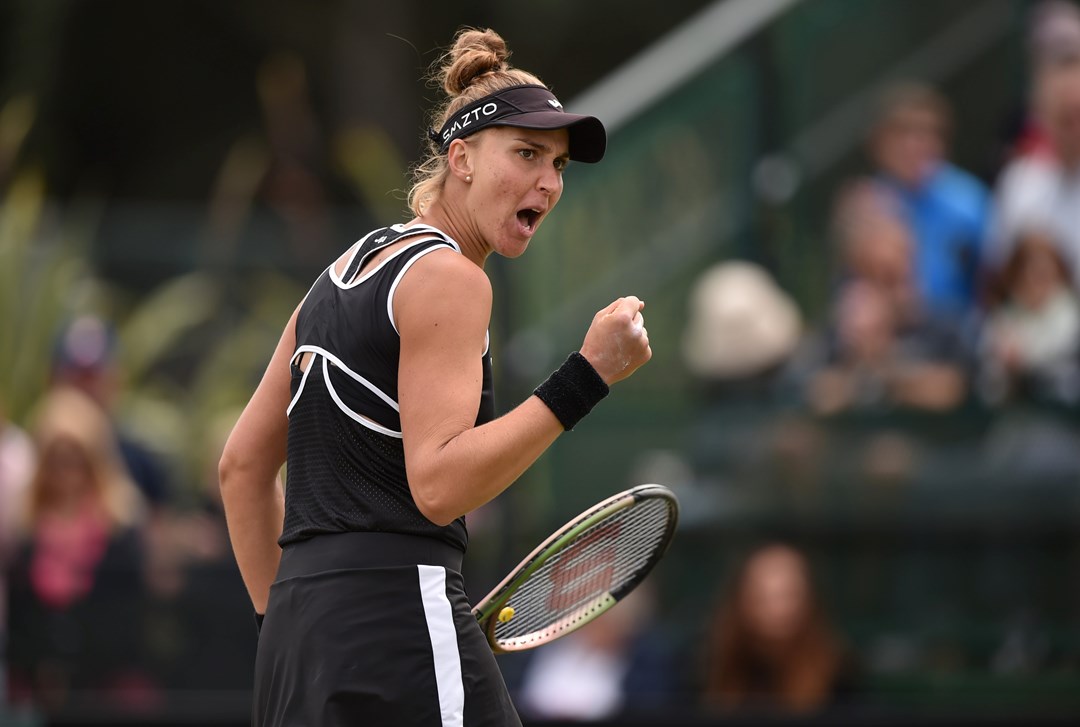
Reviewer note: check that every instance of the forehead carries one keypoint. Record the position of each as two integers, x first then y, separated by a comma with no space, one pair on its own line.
914,118
556,141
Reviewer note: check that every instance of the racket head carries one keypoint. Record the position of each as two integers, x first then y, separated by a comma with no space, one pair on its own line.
581,570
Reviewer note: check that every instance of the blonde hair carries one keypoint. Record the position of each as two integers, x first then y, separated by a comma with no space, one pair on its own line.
67,416
475,66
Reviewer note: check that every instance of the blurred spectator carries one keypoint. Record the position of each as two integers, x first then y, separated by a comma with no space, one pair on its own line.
17,457
945,207
741,323
874,363
881,346
741,333
877,245
1054,32
199,630
770,645
610,666
1041,189
85,358
75,580
17,462
1053,40
1031,340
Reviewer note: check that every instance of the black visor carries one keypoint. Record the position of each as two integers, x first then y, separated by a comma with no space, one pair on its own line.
527,107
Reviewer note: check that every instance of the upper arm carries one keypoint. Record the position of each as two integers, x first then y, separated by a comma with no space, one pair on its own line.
259,439
442,308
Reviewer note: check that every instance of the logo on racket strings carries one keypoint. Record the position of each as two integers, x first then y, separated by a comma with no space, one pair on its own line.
586,569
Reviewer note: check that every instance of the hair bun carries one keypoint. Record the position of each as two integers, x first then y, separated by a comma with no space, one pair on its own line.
474,53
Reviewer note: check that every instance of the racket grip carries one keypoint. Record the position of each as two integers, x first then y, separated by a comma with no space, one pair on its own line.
572,390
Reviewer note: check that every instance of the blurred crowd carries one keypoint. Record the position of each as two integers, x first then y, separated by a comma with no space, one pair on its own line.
947,287
940,386
950,291
765,648
118,592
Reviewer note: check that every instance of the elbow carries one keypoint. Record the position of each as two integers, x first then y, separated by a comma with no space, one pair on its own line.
227,467
234,468
433,505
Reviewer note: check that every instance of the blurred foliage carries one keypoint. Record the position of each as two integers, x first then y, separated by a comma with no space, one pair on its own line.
191,352
41,278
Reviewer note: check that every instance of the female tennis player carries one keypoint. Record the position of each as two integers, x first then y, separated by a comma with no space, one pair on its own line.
379,397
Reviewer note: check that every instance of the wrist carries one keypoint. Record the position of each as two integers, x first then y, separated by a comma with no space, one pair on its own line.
572,390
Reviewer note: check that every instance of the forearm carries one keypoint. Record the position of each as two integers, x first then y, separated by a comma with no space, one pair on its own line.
254,516
453,467
249,475
453,477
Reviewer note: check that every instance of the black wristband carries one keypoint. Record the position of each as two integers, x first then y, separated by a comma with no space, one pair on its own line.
572,390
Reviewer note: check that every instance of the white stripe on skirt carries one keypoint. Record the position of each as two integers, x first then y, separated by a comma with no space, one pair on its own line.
444,645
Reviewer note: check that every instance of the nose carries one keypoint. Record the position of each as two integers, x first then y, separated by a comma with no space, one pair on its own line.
550,181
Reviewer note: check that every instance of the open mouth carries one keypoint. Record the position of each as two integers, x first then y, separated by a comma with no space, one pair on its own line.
528,219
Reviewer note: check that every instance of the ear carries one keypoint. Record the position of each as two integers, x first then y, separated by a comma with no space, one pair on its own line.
459,157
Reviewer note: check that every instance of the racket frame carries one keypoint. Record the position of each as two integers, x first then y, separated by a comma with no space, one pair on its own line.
487,610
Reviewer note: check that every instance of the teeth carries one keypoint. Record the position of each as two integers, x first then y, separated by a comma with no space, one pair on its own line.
530,216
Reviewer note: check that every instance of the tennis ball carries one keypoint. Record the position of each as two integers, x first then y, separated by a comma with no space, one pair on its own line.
506,614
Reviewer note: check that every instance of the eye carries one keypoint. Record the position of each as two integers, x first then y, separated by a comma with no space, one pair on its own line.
527,153
560,163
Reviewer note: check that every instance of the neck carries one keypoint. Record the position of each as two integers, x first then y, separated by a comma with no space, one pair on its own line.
452,219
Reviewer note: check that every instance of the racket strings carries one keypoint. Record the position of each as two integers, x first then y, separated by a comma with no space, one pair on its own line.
575,582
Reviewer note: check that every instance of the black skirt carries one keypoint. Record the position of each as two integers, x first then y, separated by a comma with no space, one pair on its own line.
375,629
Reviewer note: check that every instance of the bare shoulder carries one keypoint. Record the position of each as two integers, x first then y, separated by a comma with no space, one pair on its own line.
446,275
443,290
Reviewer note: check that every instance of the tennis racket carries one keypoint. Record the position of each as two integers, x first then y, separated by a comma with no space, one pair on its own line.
581,570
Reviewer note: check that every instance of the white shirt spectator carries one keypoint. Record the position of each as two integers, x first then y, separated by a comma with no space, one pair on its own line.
1036,192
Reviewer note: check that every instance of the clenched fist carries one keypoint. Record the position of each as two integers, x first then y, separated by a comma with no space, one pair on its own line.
617,343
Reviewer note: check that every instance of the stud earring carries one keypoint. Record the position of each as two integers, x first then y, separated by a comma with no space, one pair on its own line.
468,179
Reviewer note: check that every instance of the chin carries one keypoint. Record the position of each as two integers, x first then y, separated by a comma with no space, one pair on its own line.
513,251
512,245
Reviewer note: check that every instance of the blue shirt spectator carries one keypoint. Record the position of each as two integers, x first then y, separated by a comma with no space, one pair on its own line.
946,208
948,215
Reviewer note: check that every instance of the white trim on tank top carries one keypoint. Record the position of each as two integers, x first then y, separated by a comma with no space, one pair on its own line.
424,236
329,358
300,388
355,416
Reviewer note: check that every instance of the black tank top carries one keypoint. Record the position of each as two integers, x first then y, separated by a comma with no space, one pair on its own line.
346,462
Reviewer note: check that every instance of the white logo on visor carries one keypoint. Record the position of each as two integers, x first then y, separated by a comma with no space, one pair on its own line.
468,118
554,103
